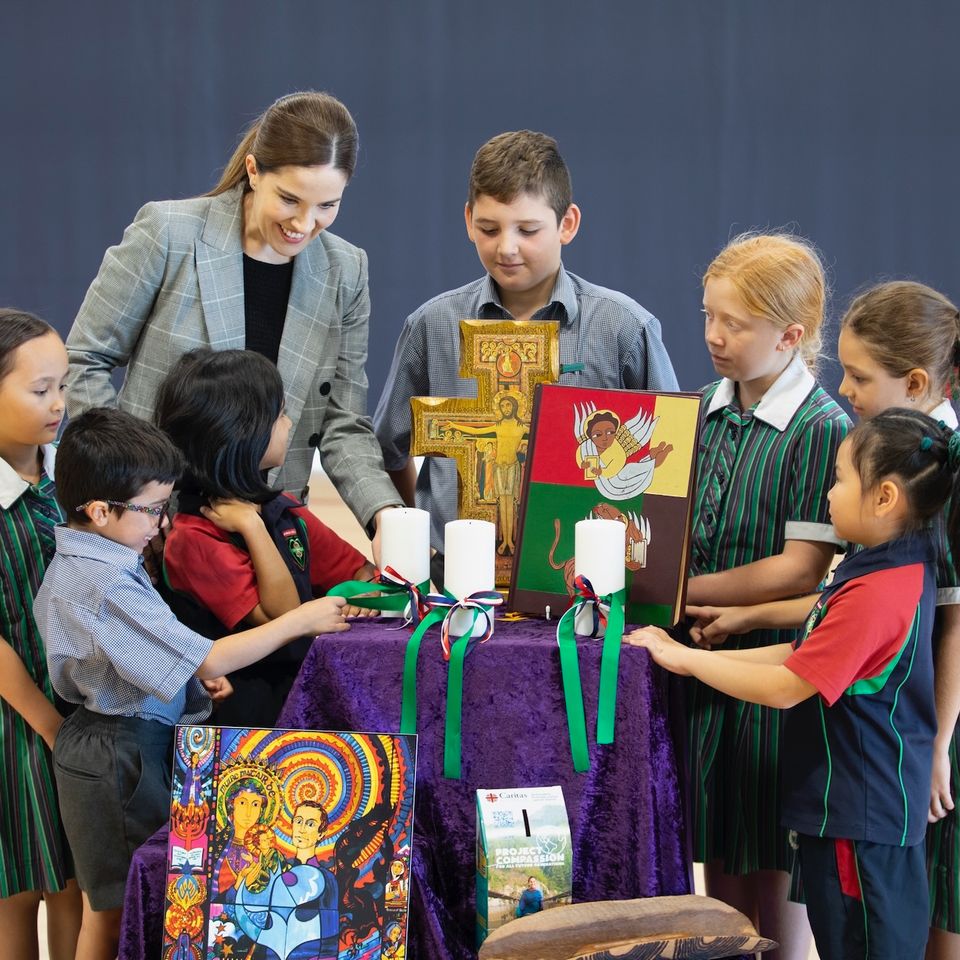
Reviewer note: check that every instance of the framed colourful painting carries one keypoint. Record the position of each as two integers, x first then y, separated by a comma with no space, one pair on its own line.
622,455
289,845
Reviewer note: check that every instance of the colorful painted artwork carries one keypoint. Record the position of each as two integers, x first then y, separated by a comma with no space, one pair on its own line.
622,455
289,845
487,435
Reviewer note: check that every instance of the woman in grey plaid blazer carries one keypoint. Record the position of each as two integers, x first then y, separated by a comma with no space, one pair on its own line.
176,281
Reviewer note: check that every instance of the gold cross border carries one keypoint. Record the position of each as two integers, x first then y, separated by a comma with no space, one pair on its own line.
507,358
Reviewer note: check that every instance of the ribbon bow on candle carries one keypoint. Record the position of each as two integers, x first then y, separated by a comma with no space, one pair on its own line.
607,611
394,593
478,604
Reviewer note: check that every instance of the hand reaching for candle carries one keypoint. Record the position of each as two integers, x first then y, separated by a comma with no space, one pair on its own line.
366,572
663,648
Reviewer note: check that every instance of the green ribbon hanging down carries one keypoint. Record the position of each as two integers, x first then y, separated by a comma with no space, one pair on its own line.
397,594
609,675
453,734
408,700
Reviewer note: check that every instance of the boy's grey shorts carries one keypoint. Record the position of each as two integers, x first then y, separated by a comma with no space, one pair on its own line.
113,780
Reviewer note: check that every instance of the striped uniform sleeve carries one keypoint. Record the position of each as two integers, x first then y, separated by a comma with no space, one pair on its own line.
812,474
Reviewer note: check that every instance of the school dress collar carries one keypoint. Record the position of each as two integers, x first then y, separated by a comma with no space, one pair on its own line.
944,411
13,486
779,404
563,294
918,547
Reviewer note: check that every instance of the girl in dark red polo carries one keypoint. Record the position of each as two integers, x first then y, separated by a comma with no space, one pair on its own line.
241,552
858,739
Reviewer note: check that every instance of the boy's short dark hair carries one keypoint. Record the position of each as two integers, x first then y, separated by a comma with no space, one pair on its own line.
522,161
107,454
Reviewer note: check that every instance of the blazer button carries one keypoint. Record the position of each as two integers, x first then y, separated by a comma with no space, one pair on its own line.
314,440
324,389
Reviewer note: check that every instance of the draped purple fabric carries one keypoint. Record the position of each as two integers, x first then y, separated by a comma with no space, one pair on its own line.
626,814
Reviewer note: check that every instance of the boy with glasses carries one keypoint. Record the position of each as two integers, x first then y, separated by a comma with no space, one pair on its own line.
114,647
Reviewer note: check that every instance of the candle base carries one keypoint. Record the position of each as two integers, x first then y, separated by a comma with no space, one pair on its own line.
583,622
460,623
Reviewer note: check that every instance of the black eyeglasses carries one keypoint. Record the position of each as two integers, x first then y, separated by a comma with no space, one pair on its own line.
158,511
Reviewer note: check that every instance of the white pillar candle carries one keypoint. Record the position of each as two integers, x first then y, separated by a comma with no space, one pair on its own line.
599,549
405,546
469,560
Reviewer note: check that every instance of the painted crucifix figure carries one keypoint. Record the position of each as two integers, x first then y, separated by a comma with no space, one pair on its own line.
487,436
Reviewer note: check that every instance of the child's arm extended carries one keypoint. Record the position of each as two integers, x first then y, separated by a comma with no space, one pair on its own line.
278,592
947,692
238,650
798,570
756,675
712,625
18,688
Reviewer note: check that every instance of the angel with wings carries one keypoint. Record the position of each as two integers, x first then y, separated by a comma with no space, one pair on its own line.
607,443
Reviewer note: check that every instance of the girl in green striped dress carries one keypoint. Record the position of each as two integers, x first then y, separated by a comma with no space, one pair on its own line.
761,532
900,347
34,858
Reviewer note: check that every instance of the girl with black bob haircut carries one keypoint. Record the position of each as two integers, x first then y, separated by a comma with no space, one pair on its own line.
859,690
220,409
240,552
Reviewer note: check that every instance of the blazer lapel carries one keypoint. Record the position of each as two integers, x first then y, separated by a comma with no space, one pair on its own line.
220,272
311,312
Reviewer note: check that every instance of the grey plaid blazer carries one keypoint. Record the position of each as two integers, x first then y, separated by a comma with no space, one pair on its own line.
175,282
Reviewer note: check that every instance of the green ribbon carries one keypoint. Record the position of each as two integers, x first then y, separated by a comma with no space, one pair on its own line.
610,667
609,677
453,734
392,596
408,700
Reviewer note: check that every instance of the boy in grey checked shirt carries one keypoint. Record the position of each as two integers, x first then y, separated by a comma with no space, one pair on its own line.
115,648
519,214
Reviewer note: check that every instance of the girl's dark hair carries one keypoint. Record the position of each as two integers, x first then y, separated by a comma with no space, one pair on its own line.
922,454
306,129
18,327
219,408
108,454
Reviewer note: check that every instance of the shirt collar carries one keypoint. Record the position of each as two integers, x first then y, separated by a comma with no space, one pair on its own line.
92,546
563,293
13,486
944,411
913,548
778,405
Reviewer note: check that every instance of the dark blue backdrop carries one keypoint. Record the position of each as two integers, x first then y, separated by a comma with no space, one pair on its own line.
683,121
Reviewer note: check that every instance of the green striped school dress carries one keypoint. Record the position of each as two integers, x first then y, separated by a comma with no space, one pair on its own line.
763,477
943,837
33,850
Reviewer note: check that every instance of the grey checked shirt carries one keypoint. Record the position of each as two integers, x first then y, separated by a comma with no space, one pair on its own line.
613,337
112,643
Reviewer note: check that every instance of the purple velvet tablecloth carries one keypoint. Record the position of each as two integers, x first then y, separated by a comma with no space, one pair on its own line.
626,814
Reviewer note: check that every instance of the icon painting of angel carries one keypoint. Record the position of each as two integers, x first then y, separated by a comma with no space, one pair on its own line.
622,455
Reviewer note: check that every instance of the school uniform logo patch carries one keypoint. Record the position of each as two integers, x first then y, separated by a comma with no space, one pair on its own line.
295,546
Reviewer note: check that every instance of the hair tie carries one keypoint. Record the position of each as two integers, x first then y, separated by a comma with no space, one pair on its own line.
953,451
926,443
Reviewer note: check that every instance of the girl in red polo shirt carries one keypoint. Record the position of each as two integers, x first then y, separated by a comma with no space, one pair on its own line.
860,689
240,552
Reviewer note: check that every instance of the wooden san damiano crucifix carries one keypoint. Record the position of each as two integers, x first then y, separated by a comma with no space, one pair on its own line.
487,436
